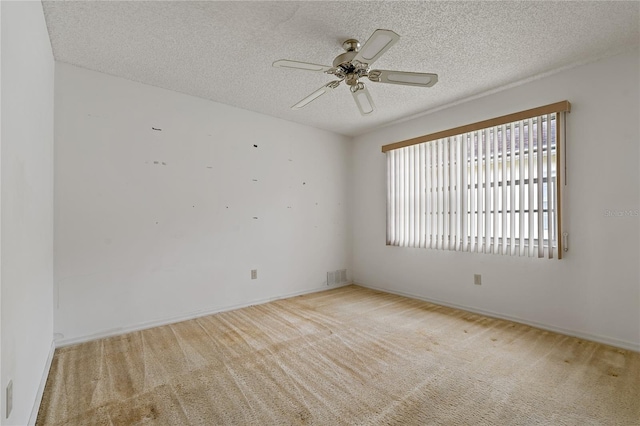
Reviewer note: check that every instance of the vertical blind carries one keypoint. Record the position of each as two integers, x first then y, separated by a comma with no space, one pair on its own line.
493,187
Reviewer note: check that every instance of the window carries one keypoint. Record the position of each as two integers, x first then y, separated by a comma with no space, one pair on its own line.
489,187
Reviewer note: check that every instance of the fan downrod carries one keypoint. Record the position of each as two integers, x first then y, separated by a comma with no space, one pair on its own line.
351,47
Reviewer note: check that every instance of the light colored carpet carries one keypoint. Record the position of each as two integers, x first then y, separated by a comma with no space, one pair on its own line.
344,356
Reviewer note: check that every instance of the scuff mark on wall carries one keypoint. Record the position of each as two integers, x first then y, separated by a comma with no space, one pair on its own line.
156,129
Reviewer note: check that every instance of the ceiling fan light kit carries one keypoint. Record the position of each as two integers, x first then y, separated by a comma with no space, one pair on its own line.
354,64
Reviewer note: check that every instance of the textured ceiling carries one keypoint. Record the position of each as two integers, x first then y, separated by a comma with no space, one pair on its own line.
223,51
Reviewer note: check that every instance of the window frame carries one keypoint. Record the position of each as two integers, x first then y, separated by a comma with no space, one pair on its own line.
558,108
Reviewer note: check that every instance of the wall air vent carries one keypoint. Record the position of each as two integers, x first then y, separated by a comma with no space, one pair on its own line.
337,277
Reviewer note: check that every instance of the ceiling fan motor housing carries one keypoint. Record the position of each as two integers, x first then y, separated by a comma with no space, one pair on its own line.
345,68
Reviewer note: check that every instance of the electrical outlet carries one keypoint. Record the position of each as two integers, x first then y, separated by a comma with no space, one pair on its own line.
9,394
254,274
477,279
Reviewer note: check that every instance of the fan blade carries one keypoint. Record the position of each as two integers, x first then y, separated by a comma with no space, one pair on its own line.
364,101
379,42
284,63
315,95
405,78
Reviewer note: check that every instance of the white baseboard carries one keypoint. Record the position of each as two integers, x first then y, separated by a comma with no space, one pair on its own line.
586,336
189,316
43,382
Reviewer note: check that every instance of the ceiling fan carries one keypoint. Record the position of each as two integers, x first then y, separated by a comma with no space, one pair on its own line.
355,64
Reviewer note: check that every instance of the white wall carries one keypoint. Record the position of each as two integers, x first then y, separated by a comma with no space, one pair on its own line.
152,225
27,205
593,292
